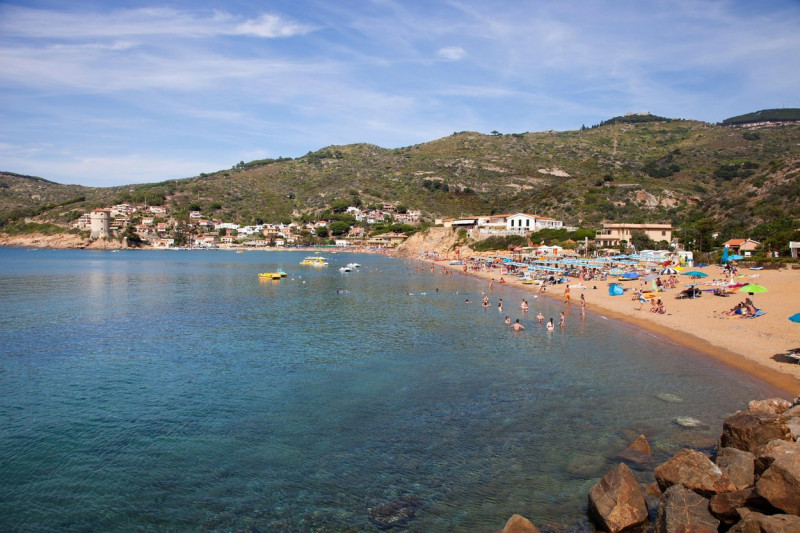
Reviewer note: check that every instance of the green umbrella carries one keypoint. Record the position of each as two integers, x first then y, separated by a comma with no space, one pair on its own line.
752,288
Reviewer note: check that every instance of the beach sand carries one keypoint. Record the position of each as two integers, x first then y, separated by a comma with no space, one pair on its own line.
753,345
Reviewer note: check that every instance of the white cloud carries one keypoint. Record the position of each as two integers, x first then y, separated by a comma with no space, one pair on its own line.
452,53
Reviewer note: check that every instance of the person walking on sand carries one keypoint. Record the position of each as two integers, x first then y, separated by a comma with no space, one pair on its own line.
517,326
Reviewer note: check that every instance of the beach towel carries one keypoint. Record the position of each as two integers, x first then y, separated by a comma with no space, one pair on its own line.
759,312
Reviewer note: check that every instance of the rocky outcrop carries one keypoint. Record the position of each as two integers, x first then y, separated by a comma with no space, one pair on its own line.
519,524
753,522
616,502
749,431
738,465
780,483
638,452
682,510
694,471
753,486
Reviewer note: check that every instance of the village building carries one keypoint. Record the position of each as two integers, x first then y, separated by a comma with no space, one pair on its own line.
740,246
613,234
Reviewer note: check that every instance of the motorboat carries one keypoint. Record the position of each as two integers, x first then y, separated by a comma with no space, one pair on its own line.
353,265
271,275
346,269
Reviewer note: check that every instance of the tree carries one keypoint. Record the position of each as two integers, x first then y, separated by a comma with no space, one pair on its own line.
641,241
339,227
322,232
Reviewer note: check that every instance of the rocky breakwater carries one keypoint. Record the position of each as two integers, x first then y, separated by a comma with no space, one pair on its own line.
750,485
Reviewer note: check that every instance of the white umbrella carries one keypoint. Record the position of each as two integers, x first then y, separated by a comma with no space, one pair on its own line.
668,271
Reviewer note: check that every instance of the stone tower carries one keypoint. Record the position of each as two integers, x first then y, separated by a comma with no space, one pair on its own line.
101,221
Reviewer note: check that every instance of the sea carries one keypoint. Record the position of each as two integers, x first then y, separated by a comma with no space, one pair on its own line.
177,391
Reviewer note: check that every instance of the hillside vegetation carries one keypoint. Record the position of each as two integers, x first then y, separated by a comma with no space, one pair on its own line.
638,168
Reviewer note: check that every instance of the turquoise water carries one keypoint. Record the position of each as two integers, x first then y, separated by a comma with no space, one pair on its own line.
173,390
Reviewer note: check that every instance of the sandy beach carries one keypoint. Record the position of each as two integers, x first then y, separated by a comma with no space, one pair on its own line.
754,345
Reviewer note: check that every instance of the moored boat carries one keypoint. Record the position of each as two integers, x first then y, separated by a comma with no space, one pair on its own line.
314,261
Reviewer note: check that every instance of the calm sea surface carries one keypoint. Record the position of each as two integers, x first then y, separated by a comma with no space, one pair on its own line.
172,391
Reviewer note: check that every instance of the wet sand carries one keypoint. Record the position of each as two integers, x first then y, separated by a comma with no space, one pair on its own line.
753,345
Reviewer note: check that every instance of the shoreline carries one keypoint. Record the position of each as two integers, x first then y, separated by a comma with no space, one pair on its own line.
754,350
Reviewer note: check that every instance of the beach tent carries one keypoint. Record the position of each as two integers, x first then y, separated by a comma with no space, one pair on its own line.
630,275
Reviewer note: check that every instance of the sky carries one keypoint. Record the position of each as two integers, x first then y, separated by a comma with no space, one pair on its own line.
105,93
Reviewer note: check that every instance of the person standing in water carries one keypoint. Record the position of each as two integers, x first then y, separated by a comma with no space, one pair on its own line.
550,325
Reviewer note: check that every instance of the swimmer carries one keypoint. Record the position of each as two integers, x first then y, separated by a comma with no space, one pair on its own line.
550,325
508,320
540,317
517,326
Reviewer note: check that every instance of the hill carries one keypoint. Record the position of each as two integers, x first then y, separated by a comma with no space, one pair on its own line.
638,168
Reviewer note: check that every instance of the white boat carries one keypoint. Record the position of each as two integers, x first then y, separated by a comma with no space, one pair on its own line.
353,265
345,269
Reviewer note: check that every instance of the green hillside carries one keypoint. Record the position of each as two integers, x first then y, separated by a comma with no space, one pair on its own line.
637,168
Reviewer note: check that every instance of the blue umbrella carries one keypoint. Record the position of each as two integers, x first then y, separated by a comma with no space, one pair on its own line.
725,257
735,257
696,274
795,317
630,275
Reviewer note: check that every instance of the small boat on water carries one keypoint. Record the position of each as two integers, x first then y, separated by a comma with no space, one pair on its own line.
346,269
278,274
353,265
314,260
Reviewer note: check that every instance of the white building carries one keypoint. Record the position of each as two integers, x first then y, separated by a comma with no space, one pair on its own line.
522,223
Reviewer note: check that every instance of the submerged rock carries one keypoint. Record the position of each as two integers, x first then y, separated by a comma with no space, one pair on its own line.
394,513
669,397
689,422
519,524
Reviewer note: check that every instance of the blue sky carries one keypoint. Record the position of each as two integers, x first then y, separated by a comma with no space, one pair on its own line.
111,93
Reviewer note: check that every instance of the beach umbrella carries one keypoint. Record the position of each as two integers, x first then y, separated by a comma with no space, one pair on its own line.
668,271
752,289
650,277
795,317
695,274
725,257
735,257
630,275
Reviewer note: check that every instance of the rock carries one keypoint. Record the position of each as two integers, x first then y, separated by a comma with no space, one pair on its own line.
689,422
749,432
737,465
616,501
685,511
669,397
637,452
774,406
519,524
792,412
772,450
587,466
725,506
753,522
395,513
793,425
694,471
780,483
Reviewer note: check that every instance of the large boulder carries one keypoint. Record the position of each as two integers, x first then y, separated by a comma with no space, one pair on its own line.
773,406
771,451
725,506
694,471
780,483
749,432
682,510
616,501
519,524
753,522
737,465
